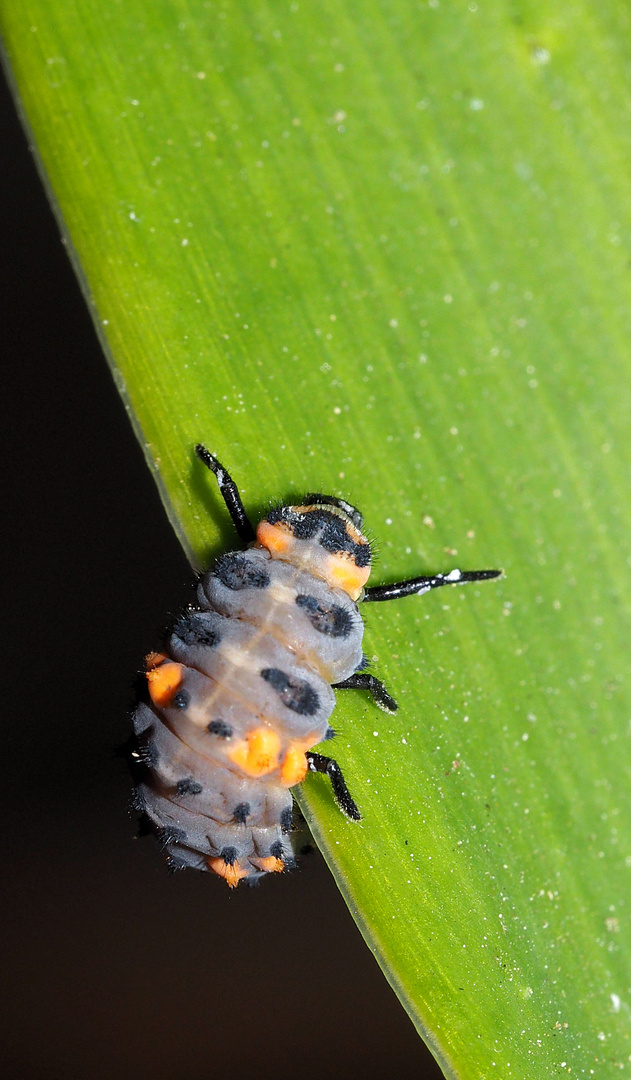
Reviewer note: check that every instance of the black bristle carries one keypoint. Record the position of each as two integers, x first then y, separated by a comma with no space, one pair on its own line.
170,834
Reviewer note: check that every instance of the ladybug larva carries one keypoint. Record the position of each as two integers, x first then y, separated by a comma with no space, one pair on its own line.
243,688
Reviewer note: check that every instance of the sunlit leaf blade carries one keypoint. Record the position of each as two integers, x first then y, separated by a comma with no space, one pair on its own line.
382,249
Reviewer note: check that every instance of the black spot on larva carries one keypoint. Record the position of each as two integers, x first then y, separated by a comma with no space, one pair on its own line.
188,786
277,849
329,734
286,818
333,534
236,573
193,629
241,812
170,834
307,525
330,619
229,855
181,700
296,694
362,555
276,514
220,728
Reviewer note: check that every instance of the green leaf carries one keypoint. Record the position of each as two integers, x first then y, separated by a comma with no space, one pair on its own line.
381,249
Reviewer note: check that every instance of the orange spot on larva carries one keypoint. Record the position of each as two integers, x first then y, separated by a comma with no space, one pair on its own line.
270,865
163,682
258,753
232,873
294,767
276,538
343,573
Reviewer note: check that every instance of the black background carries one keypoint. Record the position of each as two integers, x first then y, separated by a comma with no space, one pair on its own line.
112,967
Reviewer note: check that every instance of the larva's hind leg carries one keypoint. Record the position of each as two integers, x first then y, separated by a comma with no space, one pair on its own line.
361,680
326,765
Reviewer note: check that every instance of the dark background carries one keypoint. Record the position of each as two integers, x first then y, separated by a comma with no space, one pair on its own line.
112,968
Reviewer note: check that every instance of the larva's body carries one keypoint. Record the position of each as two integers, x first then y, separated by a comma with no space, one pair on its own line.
243,688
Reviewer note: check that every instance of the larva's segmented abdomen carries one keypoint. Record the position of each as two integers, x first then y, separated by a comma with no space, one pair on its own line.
240,693
320,624
253,667
205,813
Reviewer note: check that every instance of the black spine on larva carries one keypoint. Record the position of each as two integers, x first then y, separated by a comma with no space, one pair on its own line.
170,834
241,812
147,754
192,629
236,572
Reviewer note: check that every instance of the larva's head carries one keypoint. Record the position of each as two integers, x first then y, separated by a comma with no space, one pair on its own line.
324,536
